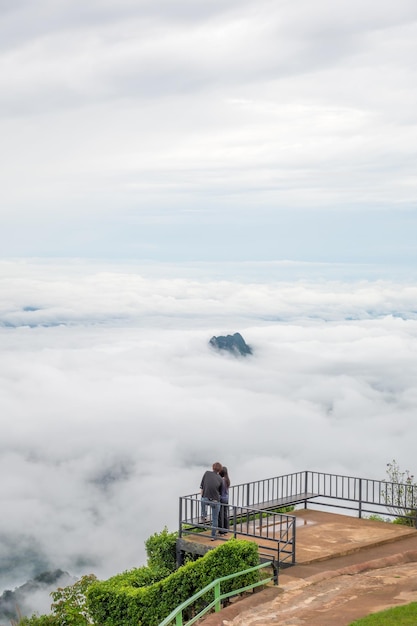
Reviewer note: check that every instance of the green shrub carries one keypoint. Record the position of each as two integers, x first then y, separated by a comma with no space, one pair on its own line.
38,620
69,603
161,551
68,608
116,601
139,576
284,509
400,492
378,518
408,520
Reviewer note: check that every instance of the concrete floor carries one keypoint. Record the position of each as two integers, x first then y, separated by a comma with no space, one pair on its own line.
346,568
327,535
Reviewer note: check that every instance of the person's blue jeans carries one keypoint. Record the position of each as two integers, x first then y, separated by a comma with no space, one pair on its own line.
224,515
215,510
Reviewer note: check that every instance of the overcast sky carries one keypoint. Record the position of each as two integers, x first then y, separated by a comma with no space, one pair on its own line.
230,130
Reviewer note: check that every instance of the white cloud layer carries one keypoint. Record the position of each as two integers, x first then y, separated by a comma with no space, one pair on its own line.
113,404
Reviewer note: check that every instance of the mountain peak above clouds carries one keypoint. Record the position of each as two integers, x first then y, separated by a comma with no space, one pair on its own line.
231,343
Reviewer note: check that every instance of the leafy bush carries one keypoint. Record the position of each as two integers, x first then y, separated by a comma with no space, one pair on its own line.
408,520
400,493
139,576
37,620
284,509
161,551
116,601
68,608
69,603
378,518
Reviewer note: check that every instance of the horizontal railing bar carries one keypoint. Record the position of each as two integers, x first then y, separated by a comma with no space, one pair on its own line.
324,474
211,586
332,485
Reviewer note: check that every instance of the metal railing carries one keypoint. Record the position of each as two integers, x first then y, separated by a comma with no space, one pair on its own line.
268,490
275,532
252,506
362,495
215,586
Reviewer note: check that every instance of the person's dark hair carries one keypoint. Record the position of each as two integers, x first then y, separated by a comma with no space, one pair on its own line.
225,474
217,467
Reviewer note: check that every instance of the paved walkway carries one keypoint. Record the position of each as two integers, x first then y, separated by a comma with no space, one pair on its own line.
346,568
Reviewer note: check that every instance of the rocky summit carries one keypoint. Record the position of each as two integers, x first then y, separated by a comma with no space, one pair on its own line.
232,343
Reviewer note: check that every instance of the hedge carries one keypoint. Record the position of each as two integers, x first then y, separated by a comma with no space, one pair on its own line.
118,602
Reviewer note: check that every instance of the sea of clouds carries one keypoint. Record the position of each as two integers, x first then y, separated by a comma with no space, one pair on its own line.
113,404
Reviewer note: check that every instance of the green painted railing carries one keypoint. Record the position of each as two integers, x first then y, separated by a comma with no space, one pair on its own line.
176,614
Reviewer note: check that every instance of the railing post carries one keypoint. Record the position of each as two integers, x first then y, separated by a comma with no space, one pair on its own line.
305,487
414,504
247,494
275,568
180,520
234,521
178,619
294,543
360,498
217,606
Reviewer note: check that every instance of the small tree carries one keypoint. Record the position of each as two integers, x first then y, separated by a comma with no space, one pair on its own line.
68,609
400,493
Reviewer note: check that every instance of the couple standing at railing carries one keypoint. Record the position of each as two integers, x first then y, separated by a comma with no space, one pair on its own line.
215,494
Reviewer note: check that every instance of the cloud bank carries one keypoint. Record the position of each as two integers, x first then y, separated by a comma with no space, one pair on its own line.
113,404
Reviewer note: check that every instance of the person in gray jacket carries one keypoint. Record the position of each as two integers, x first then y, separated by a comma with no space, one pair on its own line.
211,488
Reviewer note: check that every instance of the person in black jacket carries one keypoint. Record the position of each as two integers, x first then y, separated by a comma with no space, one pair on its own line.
211,487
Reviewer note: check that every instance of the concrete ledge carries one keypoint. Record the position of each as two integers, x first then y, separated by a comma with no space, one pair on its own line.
409,556
328,535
